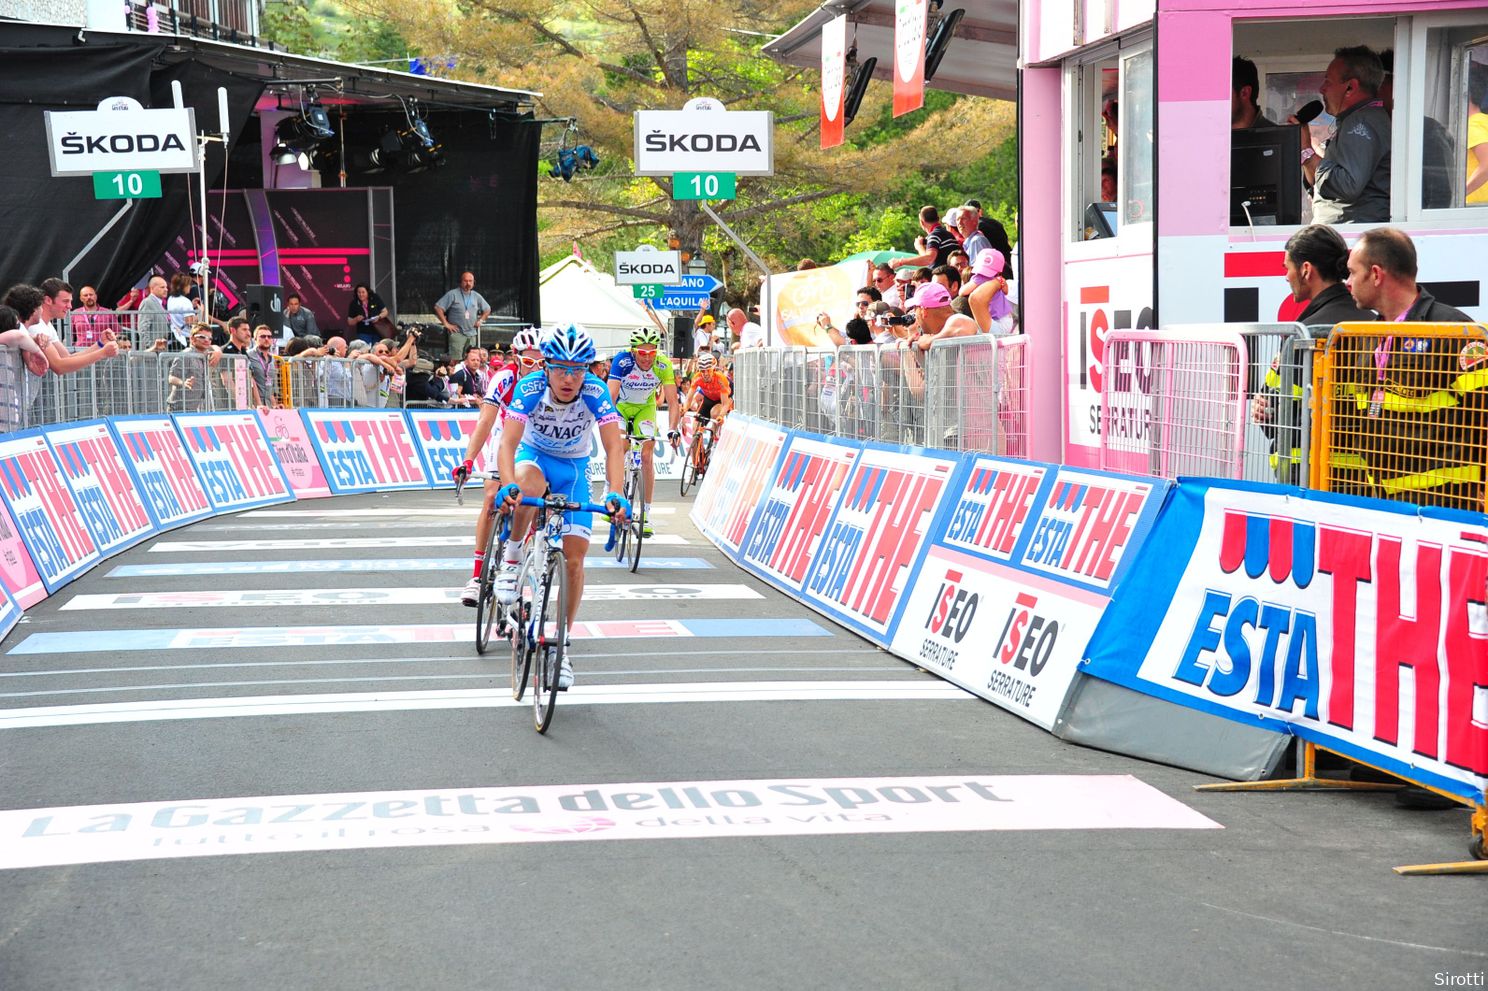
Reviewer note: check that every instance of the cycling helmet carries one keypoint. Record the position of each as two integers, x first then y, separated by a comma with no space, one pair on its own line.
528,339
706,362
646,337
571,343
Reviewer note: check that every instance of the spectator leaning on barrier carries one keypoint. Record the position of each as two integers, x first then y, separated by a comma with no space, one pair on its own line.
14,335
298,318
29,304
934,320
187,376
337,374
986,294
1419,404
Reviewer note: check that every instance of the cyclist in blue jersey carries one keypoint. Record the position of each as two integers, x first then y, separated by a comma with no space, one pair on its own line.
636,376
545,447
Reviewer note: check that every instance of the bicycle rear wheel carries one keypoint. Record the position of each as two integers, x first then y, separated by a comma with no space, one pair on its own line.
487,609
519,623
622,536
549,626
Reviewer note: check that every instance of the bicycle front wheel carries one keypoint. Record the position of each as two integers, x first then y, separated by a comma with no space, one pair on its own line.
549,626
635,493
622,536
689,470
519,624
487,610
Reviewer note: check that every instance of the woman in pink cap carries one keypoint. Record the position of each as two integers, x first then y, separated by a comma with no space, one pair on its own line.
986,293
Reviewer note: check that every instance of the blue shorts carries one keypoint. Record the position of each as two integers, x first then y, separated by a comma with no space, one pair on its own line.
567,477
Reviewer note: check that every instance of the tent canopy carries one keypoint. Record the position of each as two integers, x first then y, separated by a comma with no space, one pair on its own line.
573,291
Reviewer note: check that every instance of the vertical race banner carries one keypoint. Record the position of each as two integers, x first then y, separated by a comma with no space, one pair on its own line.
232,456
291,443
101,485
51,526
10,611
442,435
861,572
163,473
1356,624
833,80
18,574
909,55
790,524
366,450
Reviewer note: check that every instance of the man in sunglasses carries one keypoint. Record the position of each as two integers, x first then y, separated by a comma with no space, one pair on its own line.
636,376
527,359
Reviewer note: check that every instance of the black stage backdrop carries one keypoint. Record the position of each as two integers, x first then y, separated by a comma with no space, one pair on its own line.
476,212
49,220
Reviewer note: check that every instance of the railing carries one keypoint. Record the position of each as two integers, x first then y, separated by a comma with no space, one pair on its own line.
1173,402
224,20
148,382
1278,380
965,393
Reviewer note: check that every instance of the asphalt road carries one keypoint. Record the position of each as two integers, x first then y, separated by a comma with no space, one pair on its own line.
326,788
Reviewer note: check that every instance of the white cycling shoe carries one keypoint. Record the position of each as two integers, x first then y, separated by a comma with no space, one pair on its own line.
470,595
506,583
565,674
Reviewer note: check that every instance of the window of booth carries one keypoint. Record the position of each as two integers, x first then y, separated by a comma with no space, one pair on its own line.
1112,110
1450,150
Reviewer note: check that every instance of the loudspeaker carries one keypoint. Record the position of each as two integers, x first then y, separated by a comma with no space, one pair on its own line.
681,338
266,306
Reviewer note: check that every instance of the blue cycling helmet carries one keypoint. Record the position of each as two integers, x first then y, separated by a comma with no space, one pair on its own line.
571,343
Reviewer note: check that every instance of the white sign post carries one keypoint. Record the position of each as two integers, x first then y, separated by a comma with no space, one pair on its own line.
82,142
646,266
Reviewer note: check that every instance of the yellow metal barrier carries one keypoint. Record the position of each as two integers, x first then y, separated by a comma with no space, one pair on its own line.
1403,413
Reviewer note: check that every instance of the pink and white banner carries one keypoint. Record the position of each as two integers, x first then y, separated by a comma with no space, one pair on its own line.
291,443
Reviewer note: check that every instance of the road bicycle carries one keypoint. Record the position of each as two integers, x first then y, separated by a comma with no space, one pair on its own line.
699,451
536,622
631,536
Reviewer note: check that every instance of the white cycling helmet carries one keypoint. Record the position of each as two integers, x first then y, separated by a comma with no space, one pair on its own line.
706,362
528,339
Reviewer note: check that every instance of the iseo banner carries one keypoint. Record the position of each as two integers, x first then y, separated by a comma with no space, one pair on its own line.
1357,626
909,55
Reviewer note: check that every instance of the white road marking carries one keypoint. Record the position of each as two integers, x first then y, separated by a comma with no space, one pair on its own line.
273,598
285,705
328,543
325,514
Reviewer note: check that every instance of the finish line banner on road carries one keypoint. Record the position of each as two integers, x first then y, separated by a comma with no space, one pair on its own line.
234,460
101,486
50,523
1356,624
162,470
366,450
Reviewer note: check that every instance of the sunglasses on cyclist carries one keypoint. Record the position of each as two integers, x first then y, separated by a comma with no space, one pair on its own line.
530,362
567,371
645,352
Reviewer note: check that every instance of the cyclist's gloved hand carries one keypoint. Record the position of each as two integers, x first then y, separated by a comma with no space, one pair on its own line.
673,437
461,473
510,494
618,505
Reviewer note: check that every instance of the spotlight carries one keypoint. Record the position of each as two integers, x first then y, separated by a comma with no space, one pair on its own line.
420,149
296,138
570,160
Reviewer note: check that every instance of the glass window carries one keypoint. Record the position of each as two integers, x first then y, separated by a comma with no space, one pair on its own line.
1098,128
1137,104
1454,139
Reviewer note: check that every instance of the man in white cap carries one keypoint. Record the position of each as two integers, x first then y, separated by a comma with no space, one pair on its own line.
896,294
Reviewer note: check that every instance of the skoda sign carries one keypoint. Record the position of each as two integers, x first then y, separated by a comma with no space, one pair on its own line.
82,142
646,266
737,141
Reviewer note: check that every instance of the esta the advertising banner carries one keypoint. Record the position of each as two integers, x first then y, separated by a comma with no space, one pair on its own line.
163,473
366,450
18,574
291,443
793,518
233,458
833,80
101,485
727,499
1356,624
861,572
909,55
1014,583
442,436
49,520
10,611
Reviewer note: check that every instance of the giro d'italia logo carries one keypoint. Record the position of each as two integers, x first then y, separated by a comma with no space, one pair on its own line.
586,824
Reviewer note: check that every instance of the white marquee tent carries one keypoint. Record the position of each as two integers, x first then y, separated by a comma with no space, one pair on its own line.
573,291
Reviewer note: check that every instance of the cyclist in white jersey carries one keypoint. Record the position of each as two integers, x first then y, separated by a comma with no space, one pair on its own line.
526,358
545,447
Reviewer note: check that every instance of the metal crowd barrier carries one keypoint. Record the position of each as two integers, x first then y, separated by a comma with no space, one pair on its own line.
1173,402
967,393
149,382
